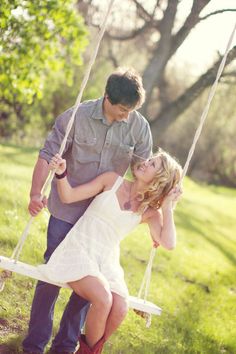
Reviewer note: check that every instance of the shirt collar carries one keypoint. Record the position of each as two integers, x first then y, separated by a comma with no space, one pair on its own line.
98,112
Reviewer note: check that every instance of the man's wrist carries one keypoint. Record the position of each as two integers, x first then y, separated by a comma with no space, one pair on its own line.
34,195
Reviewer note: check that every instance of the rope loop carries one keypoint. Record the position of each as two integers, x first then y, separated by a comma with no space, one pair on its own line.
5,274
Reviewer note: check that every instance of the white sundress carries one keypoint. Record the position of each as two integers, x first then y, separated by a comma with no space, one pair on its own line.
92,246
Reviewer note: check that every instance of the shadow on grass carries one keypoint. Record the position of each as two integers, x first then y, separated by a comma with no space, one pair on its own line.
186,323
19,155
229,255
8,202
22,149
213,212
13,346
195,224
20,179
181,332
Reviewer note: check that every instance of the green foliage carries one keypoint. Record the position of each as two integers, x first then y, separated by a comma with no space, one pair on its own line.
37,37
194,284
43,77
57,97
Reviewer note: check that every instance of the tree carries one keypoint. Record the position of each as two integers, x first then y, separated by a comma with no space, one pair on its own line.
35,38
214,159
155,27
174,109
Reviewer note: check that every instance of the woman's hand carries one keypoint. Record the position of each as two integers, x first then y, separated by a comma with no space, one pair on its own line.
58,164
173,196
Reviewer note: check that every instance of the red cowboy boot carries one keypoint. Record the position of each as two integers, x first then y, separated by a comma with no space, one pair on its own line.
85,349
99,346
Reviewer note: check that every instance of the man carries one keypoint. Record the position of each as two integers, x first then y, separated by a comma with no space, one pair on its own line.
106,134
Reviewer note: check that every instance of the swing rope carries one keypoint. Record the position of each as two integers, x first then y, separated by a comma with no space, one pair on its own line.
16,253
207,107
147,277
148,272
144,288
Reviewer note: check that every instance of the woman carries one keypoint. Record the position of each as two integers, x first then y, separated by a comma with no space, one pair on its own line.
88,258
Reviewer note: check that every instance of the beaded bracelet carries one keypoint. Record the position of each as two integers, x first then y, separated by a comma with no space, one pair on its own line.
64,174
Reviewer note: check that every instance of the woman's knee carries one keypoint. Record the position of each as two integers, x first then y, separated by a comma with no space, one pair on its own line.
103,300
120,309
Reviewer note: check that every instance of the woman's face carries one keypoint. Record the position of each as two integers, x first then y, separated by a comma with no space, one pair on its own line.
146,171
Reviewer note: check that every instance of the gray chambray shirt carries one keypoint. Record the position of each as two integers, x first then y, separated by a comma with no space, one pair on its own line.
93,146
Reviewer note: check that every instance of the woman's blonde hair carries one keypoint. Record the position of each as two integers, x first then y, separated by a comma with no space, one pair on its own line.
166,178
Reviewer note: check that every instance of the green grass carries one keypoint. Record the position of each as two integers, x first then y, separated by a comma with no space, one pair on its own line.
194,284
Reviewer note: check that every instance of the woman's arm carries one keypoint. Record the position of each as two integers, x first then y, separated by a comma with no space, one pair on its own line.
161,222
70,194
162,229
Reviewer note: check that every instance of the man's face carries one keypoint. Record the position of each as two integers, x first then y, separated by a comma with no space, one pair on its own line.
116,112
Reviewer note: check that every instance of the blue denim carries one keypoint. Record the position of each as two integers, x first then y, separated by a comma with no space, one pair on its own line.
42,311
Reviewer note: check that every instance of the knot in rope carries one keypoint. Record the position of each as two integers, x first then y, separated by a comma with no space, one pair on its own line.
5,274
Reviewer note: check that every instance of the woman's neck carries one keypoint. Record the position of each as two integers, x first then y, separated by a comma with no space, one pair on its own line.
138,187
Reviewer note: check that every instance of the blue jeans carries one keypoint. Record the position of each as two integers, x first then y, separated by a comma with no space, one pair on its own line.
41,318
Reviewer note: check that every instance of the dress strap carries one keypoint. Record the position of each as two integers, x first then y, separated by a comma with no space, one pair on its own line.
117,183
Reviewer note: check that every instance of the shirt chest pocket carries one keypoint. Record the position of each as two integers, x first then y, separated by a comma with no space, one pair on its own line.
85,147
122,158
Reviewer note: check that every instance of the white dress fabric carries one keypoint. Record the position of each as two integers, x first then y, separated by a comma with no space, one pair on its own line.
92,246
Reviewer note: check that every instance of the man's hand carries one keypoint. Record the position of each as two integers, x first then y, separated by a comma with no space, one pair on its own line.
36,204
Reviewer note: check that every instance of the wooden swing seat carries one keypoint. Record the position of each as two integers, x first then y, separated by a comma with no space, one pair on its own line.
32,272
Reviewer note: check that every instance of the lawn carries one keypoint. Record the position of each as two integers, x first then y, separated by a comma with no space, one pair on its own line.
194,284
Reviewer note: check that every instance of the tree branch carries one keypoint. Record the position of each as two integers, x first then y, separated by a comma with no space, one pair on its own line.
154,70
170,113
229,74
112,57
132,35
143,12
190,22
149,22
216,13
145,15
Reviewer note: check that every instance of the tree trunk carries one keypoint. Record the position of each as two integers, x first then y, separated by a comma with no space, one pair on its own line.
153,73
168,45
170,113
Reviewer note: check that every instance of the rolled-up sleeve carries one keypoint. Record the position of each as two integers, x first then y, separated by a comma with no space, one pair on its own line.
53,142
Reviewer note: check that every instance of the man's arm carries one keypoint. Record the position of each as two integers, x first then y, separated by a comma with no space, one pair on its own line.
40,174
41,170
144,144
54,139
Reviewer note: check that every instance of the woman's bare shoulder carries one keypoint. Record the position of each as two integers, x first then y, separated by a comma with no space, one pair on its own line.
109,178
